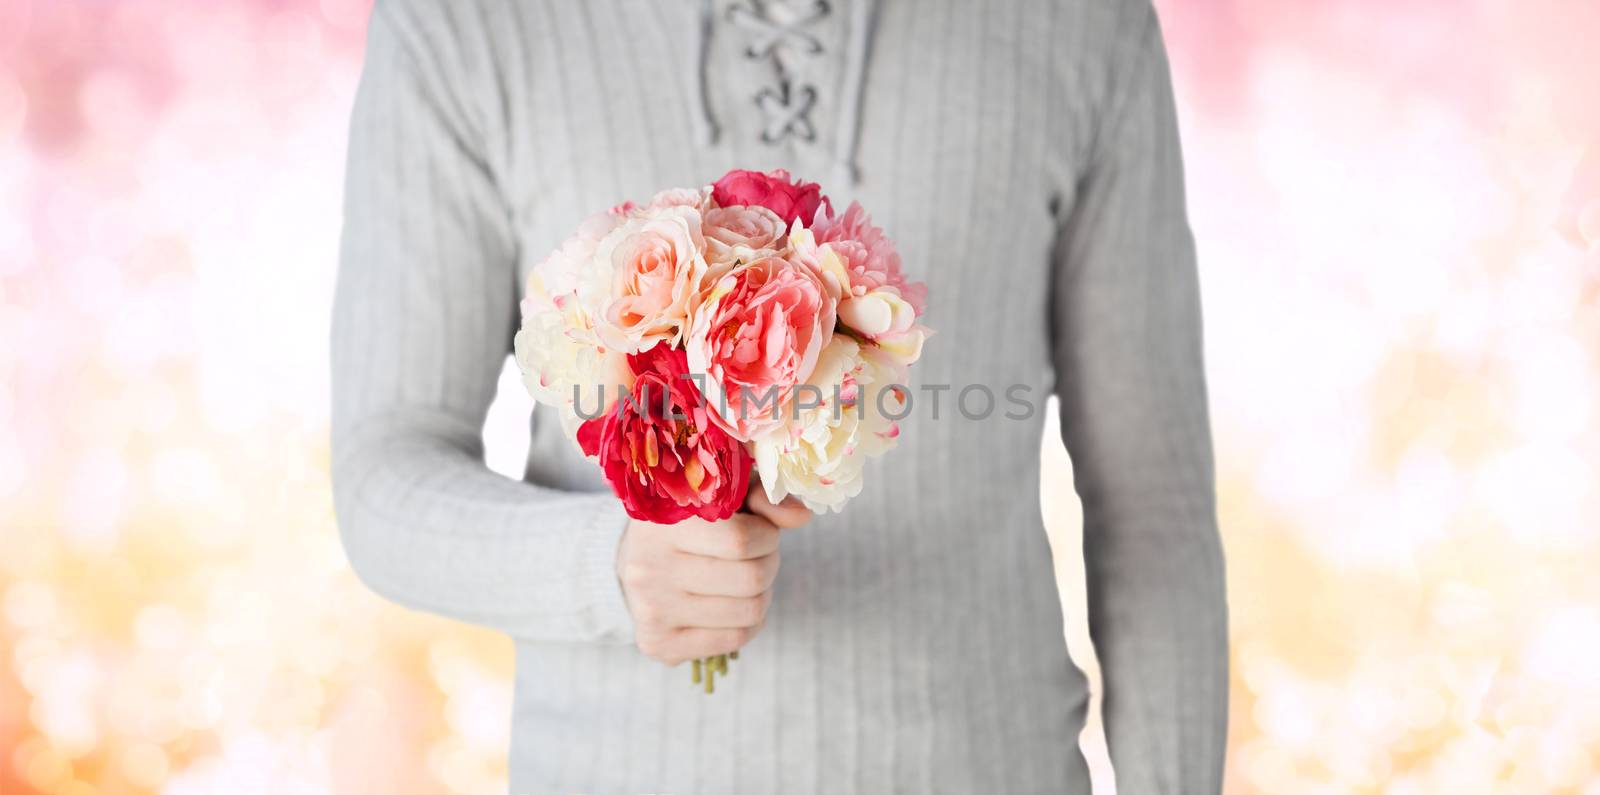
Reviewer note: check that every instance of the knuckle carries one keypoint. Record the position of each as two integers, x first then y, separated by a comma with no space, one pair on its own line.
751,579
739,541
648,613
659,647
757,613
771,531
633,572
747,613
700,647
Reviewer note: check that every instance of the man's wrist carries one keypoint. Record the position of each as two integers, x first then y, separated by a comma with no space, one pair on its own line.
607,606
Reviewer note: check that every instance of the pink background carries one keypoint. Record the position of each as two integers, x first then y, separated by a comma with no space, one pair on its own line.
1400,244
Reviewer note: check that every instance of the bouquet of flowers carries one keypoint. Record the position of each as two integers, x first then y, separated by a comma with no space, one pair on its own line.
712,331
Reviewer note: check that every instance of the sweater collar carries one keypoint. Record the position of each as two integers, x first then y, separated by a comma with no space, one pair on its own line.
779,32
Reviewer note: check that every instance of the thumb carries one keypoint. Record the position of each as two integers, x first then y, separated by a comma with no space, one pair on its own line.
788,514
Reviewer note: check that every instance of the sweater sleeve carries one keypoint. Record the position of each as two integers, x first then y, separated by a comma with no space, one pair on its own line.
424,312
1131,383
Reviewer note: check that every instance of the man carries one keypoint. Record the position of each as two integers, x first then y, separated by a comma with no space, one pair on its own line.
1024,156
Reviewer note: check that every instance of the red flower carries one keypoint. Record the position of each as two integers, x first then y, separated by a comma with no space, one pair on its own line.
774,190
660,451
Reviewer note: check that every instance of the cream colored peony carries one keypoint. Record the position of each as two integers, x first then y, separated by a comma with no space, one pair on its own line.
819,453
557,348
559,366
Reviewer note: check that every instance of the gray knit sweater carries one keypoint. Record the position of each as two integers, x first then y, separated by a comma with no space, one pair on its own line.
1024,156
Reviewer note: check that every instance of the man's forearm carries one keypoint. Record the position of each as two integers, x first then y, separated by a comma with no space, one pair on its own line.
1158,615
422,322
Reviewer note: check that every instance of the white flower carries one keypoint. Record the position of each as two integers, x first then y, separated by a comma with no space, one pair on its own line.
556,347
818,452
561,365
570,279
883,316
877,313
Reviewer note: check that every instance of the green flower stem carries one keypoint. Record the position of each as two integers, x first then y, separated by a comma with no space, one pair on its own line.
706,668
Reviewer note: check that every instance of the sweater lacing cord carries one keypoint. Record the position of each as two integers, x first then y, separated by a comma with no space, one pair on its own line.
786,107
786,110
767,33
775,27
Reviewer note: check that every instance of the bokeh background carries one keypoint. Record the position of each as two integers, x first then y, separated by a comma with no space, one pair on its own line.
1398,210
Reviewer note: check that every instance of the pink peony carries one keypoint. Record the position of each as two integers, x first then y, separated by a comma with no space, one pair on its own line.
775,190
756,336
869,256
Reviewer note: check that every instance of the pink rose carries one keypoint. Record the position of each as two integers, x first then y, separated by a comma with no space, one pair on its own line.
742,233
756,336
774,190
656,265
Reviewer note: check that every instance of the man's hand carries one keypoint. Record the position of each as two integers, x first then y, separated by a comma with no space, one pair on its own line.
697,588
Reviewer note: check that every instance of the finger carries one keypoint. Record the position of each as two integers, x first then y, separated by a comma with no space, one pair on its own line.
694,643
739,537
787,515
694,611
676,646
705,576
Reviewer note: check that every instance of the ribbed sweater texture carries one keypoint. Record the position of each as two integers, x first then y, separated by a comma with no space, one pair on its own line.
1024,156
